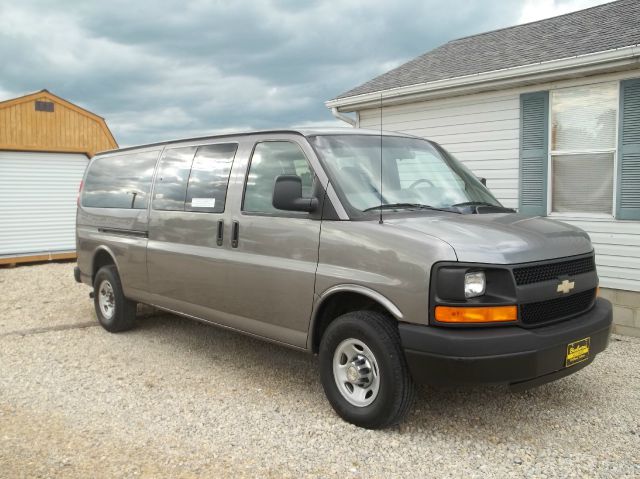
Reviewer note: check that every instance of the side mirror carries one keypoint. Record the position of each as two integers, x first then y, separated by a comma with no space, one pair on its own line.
287,195
483,181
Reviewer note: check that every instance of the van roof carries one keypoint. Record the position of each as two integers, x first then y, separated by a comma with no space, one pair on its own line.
297,131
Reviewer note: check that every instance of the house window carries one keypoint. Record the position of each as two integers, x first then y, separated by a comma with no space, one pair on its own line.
583,148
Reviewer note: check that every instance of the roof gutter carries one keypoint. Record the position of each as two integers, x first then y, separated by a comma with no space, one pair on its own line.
581,65
343,117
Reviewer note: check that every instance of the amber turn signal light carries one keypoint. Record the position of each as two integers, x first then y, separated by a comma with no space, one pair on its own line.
476,314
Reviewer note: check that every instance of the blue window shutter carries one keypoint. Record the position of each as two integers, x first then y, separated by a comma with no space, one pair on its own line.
534,149
628,196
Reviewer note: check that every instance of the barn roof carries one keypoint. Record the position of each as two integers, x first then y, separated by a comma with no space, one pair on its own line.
58,132
597,29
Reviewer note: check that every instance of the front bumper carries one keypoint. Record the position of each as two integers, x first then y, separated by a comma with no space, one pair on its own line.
502,355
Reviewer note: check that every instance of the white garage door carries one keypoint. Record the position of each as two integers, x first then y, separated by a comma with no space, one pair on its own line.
38,193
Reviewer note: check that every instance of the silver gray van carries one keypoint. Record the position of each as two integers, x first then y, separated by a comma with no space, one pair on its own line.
378,251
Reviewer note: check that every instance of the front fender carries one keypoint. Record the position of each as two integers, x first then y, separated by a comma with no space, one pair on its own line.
376,296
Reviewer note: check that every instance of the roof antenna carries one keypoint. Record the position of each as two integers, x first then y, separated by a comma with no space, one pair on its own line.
381,200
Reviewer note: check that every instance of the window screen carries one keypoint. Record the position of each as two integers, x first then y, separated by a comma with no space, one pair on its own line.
121,181
583,142
207,189
171,180
583,183
270,160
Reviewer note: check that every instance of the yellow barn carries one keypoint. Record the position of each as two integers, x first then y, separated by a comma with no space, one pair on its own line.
45,145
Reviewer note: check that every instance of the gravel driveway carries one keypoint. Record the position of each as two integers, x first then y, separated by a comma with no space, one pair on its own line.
177,398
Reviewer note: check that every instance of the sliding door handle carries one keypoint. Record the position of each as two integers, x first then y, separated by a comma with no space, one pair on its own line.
235,232
220,232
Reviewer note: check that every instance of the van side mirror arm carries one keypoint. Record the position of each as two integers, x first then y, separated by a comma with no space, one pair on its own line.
287,195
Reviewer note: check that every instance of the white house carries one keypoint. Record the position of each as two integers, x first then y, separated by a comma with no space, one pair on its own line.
549,113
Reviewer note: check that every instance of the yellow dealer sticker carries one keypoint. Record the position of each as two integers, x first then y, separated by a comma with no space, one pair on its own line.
577,352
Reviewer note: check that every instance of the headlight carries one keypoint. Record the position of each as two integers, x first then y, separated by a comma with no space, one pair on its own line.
474,284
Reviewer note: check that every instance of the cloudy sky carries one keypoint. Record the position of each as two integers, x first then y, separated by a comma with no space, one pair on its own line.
170,69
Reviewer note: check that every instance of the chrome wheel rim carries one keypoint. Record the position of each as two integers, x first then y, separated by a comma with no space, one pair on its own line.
106,299
356,372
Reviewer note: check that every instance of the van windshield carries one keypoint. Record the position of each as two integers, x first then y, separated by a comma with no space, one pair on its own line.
414,173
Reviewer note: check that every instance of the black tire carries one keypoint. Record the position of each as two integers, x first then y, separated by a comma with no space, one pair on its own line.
396,390
123,315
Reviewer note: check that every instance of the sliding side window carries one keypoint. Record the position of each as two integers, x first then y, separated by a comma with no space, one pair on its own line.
172,179
207,189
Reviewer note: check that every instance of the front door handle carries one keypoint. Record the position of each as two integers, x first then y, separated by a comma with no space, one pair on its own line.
235,232
220,232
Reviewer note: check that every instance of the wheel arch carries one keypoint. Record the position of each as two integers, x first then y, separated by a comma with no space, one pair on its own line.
342,299
102,256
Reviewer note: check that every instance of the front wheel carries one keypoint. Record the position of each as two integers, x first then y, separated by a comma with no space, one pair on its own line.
363,370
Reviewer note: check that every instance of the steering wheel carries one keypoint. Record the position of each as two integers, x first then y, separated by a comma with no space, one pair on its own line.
420,181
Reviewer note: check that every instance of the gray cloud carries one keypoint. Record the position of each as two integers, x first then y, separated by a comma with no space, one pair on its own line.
183,68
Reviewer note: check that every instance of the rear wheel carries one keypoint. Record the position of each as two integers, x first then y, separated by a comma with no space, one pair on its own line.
115,312
363,370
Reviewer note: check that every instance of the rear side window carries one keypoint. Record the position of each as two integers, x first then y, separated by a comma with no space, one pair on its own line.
194,178
207,189
172,179
120,181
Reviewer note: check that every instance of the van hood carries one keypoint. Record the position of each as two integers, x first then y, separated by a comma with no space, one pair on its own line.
502,238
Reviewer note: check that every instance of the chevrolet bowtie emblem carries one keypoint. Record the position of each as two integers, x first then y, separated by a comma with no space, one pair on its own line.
566,286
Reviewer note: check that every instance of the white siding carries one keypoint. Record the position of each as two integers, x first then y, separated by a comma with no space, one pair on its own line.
482,130
617,245
38,194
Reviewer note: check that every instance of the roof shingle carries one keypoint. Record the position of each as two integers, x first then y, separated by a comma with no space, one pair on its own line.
596,29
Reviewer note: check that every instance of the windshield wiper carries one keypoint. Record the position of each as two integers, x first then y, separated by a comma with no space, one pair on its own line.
418,206
476,203
481,203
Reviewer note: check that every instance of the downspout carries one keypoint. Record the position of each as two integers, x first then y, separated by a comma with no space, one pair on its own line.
343,117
